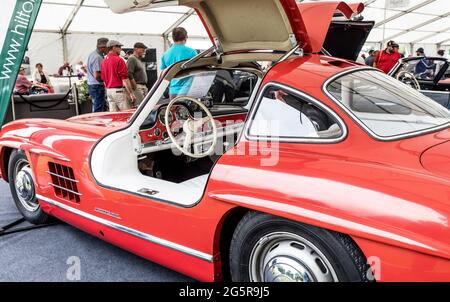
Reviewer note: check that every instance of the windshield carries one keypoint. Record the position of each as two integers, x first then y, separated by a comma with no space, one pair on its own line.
215,87
385,106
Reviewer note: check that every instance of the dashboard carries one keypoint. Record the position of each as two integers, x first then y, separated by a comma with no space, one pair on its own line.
155,127
154,130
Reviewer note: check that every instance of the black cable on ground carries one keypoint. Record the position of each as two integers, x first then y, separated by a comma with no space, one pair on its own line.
4,230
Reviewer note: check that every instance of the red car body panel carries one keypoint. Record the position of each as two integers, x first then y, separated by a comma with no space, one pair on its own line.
377,192
298,24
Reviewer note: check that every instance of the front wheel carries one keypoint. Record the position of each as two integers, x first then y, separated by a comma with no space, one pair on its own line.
22,187
265,248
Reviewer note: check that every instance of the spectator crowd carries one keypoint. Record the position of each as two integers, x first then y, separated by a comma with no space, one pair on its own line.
116,80
387,58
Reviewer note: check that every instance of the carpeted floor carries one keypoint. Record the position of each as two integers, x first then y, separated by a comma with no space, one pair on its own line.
42,254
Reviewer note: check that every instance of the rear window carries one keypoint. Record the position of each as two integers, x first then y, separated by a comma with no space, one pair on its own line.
385,106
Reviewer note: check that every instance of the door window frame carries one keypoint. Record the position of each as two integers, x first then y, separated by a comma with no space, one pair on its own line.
304,97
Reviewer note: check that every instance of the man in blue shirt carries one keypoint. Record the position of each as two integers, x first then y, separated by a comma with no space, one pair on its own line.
424,69
94,79
178,52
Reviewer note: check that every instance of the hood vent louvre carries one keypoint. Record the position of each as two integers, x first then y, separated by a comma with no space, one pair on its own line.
63,182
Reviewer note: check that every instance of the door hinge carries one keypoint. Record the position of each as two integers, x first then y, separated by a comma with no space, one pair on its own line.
137,144
219,49
293,40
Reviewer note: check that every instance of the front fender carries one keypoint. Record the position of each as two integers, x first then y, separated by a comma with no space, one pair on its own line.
57,139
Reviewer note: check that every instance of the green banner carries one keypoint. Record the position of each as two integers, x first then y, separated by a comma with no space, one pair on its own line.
14,47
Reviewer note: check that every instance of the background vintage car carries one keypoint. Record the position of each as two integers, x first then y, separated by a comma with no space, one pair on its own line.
434,83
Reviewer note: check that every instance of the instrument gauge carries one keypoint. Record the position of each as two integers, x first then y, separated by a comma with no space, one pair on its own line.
162,114
182,113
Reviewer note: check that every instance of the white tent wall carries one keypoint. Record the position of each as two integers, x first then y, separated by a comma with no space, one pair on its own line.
46,48
7,12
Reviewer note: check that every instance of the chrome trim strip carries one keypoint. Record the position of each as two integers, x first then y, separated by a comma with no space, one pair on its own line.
435,91
63,177
135,233
290,53
360,123
65,189
295,140
47,153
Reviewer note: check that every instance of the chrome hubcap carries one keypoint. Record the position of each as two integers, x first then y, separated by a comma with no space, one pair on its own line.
24,186
287,257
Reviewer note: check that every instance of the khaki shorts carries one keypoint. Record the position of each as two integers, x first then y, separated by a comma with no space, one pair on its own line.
117,99
140,92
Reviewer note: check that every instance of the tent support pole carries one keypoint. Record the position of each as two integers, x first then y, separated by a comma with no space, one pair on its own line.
166,42
64,47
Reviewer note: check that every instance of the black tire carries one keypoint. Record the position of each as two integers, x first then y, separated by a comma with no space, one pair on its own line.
37,216
344,256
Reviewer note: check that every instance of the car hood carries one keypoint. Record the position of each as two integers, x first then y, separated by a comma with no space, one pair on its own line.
437,159
104,119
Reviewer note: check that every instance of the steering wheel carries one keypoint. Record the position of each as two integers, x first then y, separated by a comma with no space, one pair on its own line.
190,128
409,79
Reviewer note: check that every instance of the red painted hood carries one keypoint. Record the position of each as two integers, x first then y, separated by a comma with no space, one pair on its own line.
437,159
103,119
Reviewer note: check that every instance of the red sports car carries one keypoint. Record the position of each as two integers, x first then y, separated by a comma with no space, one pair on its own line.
315,169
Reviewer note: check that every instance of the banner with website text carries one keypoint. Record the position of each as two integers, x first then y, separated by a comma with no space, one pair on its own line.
16,24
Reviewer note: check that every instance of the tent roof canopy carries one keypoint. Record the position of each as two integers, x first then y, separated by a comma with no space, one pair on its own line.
405,21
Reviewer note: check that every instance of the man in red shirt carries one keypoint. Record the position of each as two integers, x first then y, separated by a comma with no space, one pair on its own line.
114,73
386,59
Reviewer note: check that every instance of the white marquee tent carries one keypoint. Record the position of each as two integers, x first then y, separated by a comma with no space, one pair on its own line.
66,30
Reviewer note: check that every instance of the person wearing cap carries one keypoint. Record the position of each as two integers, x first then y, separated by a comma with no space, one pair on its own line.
137,73
94,78
420,52
115,75
387,58
371,58
178,52
424,68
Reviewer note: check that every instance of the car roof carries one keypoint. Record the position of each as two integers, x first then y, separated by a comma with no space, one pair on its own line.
309,73
309,68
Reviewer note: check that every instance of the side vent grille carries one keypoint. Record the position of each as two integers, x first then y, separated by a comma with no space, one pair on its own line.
64,182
